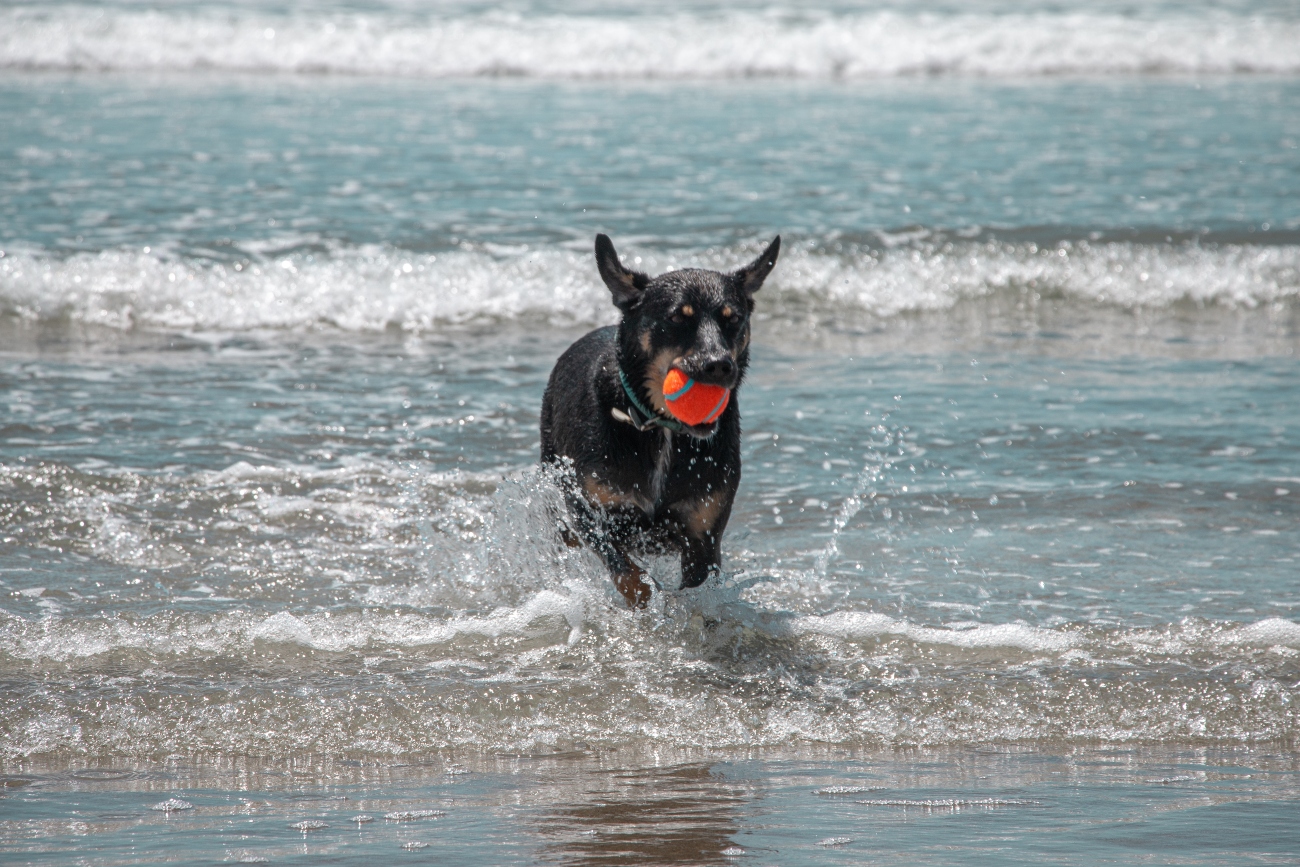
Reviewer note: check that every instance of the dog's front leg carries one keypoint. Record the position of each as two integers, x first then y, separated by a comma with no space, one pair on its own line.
629,579
700,561
701,524
632,583
589,511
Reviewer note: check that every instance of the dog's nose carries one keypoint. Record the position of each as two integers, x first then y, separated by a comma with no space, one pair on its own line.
719,369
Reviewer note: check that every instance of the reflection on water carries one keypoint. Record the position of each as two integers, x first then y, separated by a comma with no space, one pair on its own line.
667,807
682,815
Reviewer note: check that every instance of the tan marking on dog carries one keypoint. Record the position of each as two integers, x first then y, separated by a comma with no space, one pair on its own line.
645,341
726,312
608,497
602,494
569,538
634,586
744,344
701,516
688,310
655,373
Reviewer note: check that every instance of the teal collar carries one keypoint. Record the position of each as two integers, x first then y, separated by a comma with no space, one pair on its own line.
648,419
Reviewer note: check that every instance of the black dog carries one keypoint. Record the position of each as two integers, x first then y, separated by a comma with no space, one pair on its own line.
643,481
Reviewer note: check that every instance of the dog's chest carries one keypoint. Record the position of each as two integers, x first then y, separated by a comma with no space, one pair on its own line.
672,474
648,492
654,472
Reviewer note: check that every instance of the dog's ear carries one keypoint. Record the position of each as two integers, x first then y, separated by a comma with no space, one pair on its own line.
751,277
626,286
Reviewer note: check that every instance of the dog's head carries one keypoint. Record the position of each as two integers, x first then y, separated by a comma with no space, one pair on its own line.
693,319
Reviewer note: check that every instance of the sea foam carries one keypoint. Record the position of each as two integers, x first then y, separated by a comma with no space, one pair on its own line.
375,289
857,625
631,682
683,44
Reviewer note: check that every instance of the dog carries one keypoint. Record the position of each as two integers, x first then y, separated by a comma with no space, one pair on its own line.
637,480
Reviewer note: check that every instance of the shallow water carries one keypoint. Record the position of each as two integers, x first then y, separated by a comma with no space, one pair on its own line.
1016,536
986,806
1013,544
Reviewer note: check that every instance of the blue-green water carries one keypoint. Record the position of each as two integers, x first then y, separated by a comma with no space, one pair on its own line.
1015,553
986,806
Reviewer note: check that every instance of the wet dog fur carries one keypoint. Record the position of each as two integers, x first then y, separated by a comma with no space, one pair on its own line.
636,486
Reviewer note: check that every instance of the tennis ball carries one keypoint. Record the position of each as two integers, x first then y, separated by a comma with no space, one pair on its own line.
694,402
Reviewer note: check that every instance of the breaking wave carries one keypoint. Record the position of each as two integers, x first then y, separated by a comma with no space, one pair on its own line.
681,45
567,667
374,289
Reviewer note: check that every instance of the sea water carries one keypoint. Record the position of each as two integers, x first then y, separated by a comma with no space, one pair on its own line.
1012,575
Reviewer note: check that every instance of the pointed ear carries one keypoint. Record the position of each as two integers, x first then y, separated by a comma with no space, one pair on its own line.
625,285
751,277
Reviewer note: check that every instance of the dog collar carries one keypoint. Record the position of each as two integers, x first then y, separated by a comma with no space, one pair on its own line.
651,419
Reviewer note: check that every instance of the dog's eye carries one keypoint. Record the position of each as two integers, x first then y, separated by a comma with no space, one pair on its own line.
683,314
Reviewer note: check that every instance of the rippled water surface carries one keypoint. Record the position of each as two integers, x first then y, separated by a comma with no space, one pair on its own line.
1012,573
985,806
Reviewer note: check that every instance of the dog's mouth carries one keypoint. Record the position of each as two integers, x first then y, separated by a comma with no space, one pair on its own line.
702,431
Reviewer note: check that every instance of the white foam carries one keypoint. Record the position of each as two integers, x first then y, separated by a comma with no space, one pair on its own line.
651,44
370,290
172,805
235,633
856,625
412,815
1271,632
640,679
358,290
846,790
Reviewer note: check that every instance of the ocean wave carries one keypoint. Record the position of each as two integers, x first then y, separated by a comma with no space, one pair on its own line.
518,678
580,602
238,634
682,45
373,290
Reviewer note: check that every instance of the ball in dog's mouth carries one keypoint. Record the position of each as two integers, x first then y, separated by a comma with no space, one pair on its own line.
697,404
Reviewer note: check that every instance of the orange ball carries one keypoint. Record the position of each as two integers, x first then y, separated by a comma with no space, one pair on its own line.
694,402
